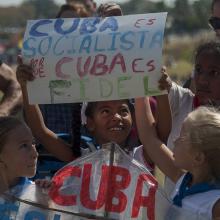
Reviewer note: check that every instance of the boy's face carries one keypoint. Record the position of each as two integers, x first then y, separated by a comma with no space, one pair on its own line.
111,121
207,78
19,155
216,14
68,14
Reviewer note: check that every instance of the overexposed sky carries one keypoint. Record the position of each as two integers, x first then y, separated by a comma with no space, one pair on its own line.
17,2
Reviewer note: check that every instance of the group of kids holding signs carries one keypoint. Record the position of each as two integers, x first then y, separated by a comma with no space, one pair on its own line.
192,164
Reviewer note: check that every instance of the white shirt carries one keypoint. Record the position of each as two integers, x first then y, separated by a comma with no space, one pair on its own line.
138,155
181,104
199,203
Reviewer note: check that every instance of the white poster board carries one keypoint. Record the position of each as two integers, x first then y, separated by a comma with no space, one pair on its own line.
93,59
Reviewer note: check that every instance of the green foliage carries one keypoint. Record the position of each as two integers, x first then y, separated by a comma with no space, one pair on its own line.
180,71
42,8
29,9
183,16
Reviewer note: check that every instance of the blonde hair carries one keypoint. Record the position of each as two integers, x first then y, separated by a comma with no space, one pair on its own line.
7,124
204,134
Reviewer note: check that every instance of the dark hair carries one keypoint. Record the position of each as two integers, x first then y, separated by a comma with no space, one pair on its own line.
7,124
78,9
76,129
211,47
1,62
90,108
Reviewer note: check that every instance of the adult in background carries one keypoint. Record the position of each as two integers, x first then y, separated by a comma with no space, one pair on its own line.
59,117
11,101
90,5
214,20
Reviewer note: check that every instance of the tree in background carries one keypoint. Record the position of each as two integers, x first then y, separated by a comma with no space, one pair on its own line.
184,16
42,8
189,17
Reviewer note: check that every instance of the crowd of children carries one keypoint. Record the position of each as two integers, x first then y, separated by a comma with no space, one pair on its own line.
190,160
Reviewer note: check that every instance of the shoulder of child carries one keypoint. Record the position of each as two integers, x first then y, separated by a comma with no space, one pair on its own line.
216,211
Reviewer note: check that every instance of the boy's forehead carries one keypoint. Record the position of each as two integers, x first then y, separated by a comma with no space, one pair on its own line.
209,57
113,103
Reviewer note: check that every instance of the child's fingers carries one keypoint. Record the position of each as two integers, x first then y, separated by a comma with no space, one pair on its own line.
163,69
43,183
24,73
109,9
164,82
113,11
19,60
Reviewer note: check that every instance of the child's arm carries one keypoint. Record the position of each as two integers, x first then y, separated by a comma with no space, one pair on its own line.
163,114
163,117
35,121
157,151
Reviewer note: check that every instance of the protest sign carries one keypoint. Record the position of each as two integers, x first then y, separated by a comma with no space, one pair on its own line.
106,184
93,59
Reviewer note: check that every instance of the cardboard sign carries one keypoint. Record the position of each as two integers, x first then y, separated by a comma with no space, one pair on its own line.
107,184
93,59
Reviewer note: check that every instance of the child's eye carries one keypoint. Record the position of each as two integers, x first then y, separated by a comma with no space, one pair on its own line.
24,145
214,73
198,70
105,111
124,111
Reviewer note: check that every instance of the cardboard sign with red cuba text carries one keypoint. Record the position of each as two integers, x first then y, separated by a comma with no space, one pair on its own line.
106,185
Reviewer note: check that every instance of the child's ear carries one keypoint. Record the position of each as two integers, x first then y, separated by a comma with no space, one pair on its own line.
90,124
199,158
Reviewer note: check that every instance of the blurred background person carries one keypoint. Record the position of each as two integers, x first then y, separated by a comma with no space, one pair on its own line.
60,117
214,20
90,5
11,99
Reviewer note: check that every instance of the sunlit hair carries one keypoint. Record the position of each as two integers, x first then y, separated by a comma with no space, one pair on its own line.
204,133
7,124
211,48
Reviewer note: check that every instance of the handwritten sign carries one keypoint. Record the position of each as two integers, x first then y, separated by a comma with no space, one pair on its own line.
105,185
92,59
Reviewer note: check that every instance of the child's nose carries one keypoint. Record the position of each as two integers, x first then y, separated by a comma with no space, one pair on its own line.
204,79
34,152
116,116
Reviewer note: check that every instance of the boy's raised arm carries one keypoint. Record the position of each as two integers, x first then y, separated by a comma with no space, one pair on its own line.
35,121
156,150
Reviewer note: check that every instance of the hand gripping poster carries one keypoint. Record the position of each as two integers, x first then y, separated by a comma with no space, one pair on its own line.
107,184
